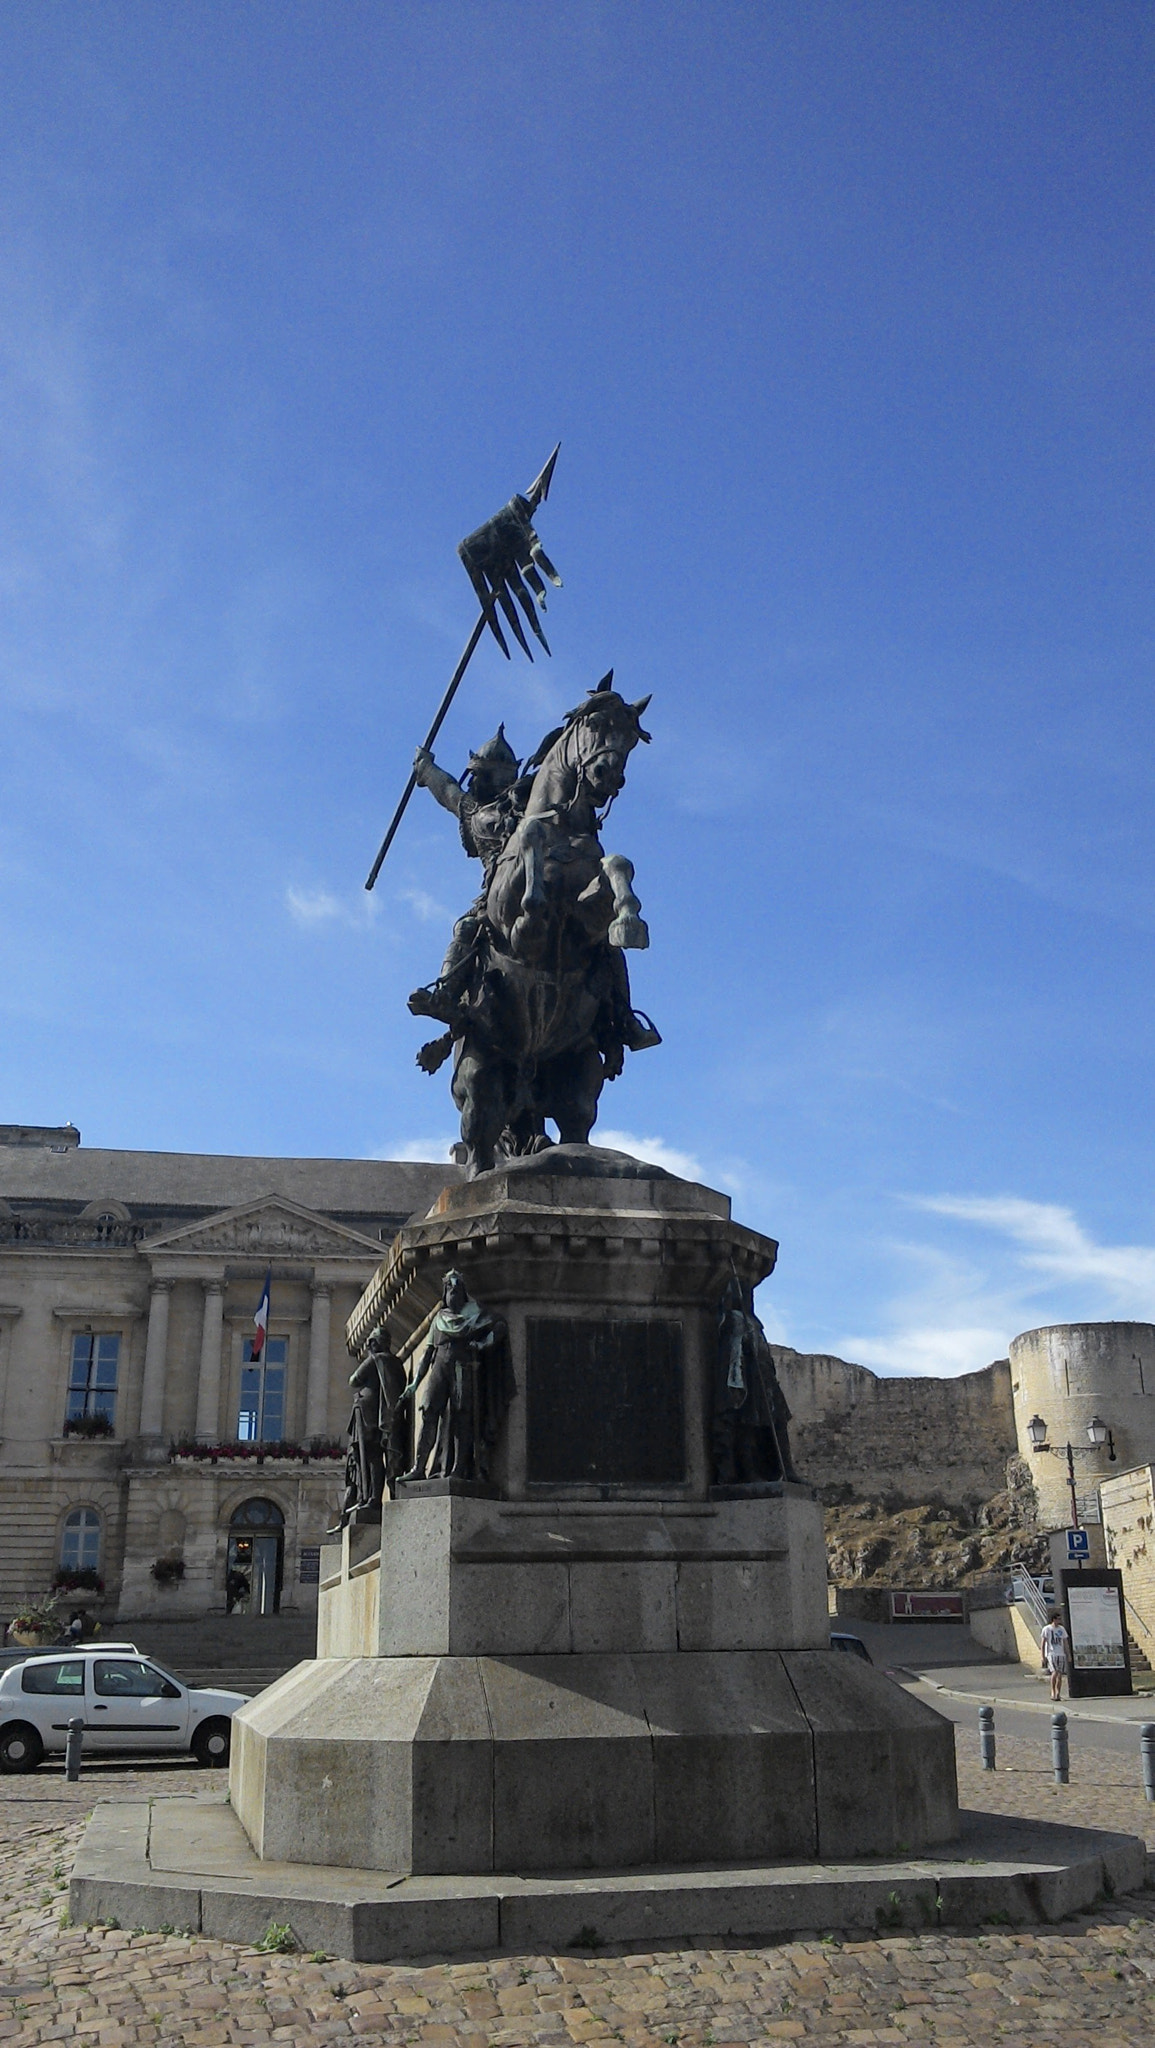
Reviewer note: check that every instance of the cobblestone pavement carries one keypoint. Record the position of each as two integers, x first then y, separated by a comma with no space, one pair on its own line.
1090,1981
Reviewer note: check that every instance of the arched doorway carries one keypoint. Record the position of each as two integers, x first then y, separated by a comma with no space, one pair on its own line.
255,1559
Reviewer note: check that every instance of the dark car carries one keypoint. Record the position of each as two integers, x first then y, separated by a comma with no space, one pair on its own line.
853,1646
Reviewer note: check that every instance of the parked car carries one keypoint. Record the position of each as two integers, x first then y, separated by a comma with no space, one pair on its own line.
125,1701
853,1646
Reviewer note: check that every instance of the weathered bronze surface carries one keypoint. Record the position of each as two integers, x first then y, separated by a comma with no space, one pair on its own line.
750,1434
534,990
371,1461
468,1377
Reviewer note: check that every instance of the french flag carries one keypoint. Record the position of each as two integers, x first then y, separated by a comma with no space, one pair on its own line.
261,1320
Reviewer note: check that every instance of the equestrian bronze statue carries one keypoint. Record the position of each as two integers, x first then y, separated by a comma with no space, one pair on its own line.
533,993
534,990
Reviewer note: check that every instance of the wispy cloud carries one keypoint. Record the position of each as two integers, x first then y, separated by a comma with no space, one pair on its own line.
1055,1243
655,1151
311,908
1033,1263
930,1350
425,906
418,1151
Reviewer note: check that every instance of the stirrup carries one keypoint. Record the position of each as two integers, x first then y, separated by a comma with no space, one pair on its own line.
640,1033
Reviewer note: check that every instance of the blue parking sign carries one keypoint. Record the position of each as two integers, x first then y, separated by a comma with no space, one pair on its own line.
1078,1544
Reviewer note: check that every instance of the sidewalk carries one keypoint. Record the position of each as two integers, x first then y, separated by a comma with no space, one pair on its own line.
944,1657
1016,1685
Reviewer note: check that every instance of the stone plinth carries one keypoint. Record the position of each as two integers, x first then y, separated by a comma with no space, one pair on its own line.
597,1661
466,1578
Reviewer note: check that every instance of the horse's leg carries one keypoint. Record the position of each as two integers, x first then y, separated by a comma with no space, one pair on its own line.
574,1085
530,928
628,927
481,1096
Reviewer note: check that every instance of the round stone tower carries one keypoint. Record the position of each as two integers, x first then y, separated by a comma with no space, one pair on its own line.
1068,1376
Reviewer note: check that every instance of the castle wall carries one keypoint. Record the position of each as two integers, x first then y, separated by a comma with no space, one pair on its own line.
918,1439
1129,1527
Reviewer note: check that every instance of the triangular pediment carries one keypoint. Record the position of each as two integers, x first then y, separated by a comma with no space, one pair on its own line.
271,1227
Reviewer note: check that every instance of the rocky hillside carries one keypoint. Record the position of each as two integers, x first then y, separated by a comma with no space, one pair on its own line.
885,1543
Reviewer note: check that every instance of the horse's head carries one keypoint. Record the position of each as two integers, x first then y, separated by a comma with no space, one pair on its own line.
595,743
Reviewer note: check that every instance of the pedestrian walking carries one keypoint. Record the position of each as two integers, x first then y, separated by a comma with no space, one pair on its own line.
1056,1647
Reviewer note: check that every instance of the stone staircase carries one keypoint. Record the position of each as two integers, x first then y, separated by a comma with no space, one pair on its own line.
242,1653
1140,1661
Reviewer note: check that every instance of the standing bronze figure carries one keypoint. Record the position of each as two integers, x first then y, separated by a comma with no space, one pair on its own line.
468,1375
371,1463
750,1433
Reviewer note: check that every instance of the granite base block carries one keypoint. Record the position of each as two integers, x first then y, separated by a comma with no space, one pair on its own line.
186,1863
461,1764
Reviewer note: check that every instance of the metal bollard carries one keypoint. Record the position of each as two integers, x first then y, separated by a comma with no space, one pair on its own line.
1060,1749
1147,1758
987,1737
72,1749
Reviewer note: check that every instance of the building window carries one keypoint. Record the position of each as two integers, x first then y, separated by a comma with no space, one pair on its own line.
92,1380
80,1541
262,1413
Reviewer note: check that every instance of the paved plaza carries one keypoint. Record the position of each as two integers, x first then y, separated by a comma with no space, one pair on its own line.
1091,1980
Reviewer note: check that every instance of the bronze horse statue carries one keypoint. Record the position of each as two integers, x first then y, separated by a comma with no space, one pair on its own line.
538,1000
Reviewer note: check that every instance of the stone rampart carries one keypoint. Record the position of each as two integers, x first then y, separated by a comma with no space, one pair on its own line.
915,1439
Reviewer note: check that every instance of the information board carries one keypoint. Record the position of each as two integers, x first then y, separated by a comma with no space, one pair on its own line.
1096,1628
927,1607
1100,1659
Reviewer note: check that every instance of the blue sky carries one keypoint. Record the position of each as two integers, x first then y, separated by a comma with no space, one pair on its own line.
843,316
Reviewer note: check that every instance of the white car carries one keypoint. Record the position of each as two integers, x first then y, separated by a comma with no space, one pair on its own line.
125,1701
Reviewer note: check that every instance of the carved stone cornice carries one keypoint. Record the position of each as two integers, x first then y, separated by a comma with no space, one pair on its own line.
666,1243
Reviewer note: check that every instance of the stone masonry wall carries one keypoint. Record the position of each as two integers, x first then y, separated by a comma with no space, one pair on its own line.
916,1439
1129,1526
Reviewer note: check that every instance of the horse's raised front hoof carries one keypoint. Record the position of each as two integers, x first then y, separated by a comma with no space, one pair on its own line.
435,1053
629,930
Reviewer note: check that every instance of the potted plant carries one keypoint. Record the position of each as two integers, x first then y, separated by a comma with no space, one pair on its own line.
168,1571
89,1426
80,1581
35,1622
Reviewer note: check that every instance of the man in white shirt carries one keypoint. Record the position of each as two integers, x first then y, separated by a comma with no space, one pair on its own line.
1055,1644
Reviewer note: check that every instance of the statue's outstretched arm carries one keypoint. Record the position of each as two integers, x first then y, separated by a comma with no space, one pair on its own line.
445,788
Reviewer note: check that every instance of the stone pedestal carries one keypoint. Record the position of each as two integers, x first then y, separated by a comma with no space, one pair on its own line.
599,1661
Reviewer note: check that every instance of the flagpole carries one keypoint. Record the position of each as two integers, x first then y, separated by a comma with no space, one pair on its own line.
430,736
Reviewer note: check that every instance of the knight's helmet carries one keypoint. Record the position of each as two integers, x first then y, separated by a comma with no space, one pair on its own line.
497,759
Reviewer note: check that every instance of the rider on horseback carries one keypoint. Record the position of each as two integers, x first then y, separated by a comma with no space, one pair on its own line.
534,989
487,804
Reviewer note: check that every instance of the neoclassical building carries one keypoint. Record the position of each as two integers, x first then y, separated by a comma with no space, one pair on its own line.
139,1439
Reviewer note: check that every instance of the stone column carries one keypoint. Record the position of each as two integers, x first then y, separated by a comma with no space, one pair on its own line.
209,1383
317,1386
155,1360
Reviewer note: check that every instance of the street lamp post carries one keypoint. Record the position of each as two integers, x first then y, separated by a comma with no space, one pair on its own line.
1099,1433
1075,1523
